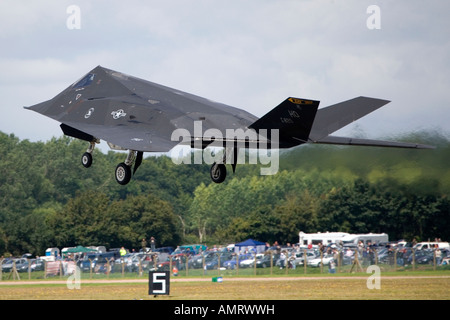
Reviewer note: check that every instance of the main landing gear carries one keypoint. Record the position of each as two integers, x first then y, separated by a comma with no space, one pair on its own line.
218,171
123,171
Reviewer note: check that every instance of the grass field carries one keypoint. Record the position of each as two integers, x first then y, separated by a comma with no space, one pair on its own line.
393,286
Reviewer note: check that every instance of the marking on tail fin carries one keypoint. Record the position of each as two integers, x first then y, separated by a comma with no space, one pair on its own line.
300,101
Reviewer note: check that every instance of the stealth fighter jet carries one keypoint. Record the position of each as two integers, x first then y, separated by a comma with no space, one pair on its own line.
140,116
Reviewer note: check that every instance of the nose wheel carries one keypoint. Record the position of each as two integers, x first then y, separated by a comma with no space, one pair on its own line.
86,160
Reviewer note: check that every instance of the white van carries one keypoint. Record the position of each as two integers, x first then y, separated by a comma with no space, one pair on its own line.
431,245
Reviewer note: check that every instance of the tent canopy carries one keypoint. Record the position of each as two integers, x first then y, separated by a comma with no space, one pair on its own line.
250,245
79,249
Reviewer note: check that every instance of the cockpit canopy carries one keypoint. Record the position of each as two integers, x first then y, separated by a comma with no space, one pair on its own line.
87,80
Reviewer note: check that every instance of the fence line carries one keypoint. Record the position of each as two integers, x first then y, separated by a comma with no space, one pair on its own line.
215,264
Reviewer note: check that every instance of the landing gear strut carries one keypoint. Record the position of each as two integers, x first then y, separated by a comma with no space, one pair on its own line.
218,171
123,170
86,159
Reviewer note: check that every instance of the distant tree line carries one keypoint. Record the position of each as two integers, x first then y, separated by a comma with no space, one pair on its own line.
48,199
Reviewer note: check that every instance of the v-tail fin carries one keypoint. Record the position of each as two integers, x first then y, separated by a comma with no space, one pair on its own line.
337,116
293,118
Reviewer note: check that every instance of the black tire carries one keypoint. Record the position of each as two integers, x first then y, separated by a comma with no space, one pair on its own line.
123,173
86,160
218,172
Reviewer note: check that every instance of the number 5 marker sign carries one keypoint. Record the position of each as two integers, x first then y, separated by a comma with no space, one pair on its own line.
159,283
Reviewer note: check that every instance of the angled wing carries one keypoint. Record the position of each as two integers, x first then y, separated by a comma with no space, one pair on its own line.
131,113
124,122
335,117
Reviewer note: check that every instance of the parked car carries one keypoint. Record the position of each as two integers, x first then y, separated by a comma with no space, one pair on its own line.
5,264
250,262
196,261
426,257
310,255
214,263
326,258
86,262
97,261
21,265
265,261
286,256
178,261
421,257
37,265
431,245
190,250
231,264
385,255
167,250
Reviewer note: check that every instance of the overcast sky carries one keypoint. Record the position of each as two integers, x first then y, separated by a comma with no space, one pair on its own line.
250,54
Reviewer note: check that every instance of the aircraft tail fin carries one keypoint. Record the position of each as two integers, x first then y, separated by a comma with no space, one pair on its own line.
337,116
293,118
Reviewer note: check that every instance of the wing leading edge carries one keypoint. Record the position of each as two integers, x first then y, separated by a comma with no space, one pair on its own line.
371,143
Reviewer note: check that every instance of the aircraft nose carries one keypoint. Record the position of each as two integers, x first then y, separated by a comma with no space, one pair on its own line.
41,107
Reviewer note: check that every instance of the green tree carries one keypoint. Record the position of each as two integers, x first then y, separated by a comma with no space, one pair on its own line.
144,216
297,213
82,221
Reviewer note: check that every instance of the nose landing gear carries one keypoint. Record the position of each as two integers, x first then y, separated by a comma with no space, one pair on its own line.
86,159
123,172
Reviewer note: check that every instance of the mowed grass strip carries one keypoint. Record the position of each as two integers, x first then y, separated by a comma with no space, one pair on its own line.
413,288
